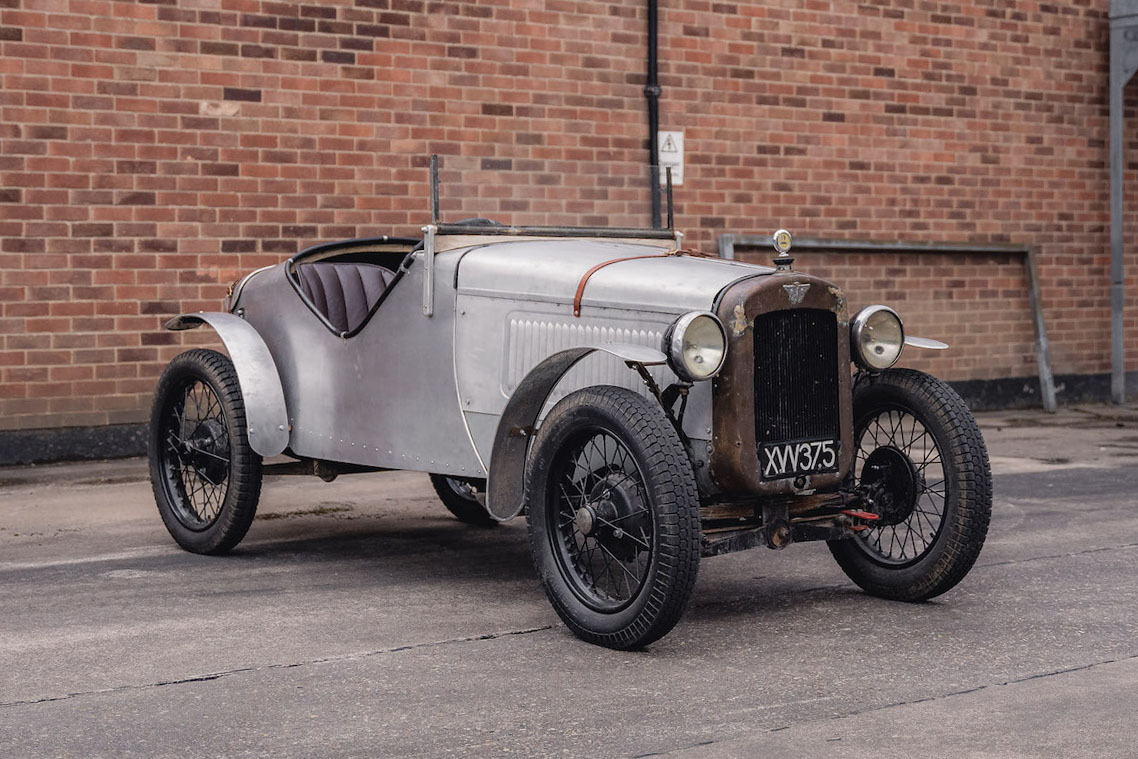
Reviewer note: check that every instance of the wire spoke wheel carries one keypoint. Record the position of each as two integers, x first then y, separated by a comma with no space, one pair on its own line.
605,526
901,463
195,456
920,464
613,515
205,475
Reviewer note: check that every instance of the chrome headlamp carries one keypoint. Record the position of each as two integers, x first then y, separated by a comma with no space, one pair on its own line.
696,346
876,337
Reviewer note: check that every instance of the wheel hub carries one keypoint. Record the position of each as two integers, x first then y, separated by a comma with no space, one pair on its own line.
892,484
613,514
205,451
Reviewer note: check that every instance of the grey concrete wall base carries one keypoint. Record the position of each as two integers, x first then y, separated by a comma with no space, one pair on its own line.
71,444
1025,392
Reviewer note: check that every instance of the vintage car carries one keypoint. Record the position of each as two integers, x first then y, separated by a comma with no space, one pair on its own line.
644,406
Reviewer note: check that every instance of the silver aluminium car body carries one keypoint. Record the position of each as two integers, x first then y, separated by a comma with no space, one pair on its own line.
392,397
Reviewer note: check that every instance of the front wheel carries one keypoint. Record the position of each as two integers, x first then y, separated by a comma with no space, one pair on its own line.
921,462
206,477
613,516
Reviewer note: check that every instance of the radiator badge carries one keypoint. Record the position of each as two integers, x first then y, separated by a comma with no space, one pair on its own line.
796,292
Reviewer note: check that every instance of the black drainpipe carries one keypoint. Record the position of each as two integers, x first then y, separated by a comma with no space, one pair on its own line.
652,92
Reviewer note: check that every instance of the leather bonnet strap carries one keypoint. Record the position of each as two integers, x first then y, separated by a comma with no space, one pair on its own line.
598,267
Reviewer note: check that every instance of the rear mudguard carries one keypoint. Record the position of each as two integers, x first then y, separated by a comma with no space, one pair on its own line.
261,389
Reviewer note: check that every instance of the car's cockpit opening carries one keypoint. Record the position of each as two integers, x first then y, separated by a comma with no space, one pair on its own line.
344,283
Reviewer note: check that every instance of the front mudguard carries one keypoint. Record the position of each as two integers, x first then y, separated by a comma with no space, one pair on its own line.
261,390
506,483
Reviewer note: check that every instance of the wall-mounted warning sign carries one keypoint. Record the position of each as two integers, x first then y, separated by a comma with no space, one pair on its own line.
671,147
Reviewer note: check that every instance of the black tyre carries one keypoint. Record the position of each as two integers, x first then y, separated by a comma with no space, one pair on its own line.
920,456
458,495
206,477
613,516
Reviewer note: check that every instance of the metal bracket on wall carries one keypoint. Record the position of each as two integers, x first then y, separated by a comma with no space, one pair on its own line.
1123,65
728,243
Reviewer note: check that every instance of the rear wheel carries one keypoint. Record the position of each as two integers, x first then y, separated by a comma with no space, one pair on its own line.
613,516
206,477
921,461
461,499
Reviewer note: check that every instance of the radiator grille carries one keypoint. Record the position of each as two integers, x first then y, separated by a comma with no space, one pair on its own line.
796,376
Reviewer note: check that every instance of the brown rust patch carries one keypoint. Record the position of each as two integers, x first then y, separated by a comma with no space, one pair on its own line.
739,322
841,307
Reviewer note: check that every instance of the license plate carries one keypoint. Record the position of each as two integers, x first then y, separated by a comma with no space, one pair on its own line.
781,460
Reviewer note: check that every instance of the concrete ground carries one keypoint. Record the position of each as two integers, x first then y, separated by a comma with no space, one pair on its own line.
359,619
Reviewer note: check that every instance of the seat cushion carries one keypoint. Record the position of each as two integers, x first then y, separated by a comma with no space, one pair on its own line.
344,292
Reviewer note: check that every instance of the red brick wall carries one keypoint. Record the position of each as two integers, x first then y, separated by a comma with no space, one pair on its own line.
152,151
